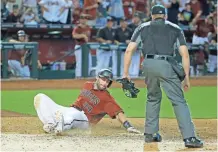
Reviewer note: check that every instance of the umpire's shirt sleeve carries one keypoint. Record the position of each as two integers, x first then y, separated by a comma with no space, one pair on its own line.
181,38
136,37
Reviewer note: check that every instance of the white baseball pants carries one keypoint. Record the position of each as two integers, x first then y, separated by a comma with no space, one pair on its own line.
212,63
134,66
18,69
79,61
199,40
46,110
103,60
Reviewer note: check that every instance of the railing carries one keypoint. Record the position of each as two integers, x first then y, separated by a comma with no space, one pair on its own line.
33,46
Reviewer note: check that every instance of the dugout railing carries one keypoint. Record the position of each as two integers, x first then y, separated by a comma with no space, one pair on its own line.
33,46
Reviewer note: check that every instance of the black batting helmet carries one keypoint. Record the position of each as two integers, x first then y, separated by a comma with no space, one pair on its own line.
106,73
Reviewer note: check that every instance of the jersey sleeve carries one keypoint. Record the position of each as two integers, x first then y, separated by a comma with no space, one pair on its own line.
112,108
181,38
136,36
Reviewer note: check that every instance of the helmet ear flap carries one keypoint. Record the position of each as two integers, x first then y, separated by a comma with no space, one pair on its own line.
109,84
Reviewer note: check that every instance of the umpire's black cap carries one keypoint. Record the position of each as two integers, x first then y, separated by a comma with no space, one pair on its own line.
158,9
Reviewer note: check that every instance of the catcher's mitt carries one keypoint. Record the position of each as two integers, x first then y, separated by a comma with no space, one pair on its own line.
128,88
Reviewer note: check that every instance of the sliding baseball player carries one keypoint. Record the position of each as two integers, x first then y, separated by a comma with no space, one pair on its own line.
93,103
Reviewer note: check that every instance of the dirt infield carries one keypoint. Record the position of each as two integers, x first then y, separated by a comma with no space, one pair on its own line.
24,133
108,132
77,83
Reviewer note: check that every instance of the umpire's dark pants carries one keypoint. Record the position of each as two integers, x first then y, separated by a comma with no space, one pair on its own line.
159,73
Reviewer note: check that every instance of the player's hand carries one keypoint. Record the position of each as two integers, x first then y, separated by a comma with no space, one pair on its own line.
109,41
86,38
186,84
39,65
45,9
126,76
127,41
133,130
116,42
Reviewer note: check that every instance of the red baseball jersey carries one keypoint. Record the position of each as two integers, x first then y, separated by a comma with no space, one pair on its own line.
82,30
96,103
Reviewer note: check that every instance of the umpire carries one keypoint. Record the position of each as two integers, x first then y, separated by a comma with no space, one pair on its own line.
159,37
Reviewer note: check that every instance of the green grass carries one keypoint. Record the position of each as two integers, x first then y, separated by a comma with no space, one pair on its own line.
202,101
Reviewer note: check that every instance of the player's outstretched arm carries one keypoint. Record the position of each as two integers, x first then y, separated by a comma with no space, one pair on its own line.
126,124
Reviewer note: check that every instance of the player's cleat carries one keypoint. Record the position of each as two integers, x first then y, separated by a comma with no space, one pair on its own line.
153,137
49,128
193,142
60,123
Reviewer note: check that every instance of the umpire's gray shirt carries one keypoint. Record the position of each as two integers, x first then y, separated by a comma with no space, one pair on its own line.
159,37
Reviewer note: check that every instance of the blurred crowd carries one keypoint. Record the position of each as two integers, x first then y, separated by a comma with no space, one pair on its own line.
182,12
116,20
195,15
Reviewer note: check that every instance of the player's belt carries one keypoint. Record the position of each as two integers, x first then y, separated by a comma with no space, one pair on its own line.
77,108
159,57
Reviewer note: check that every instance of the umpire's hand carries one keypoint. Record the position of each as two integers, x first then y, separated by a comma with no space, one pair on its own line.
126,76
186,84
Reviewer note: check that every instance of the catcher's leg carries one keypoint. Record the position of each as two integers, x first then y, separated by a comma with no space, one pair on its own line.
48,112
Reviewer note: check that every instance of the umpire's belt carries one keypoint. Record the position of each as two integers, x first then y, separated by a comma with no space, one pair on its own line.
159,57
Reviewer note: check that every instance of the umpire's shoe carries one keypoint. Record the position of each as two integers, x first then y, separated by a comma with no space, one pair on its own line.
193,142
152,137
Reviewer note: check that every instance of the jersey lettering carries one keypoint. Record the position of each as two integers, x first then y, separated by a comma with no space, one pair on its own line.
87,106
92,97
96,104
